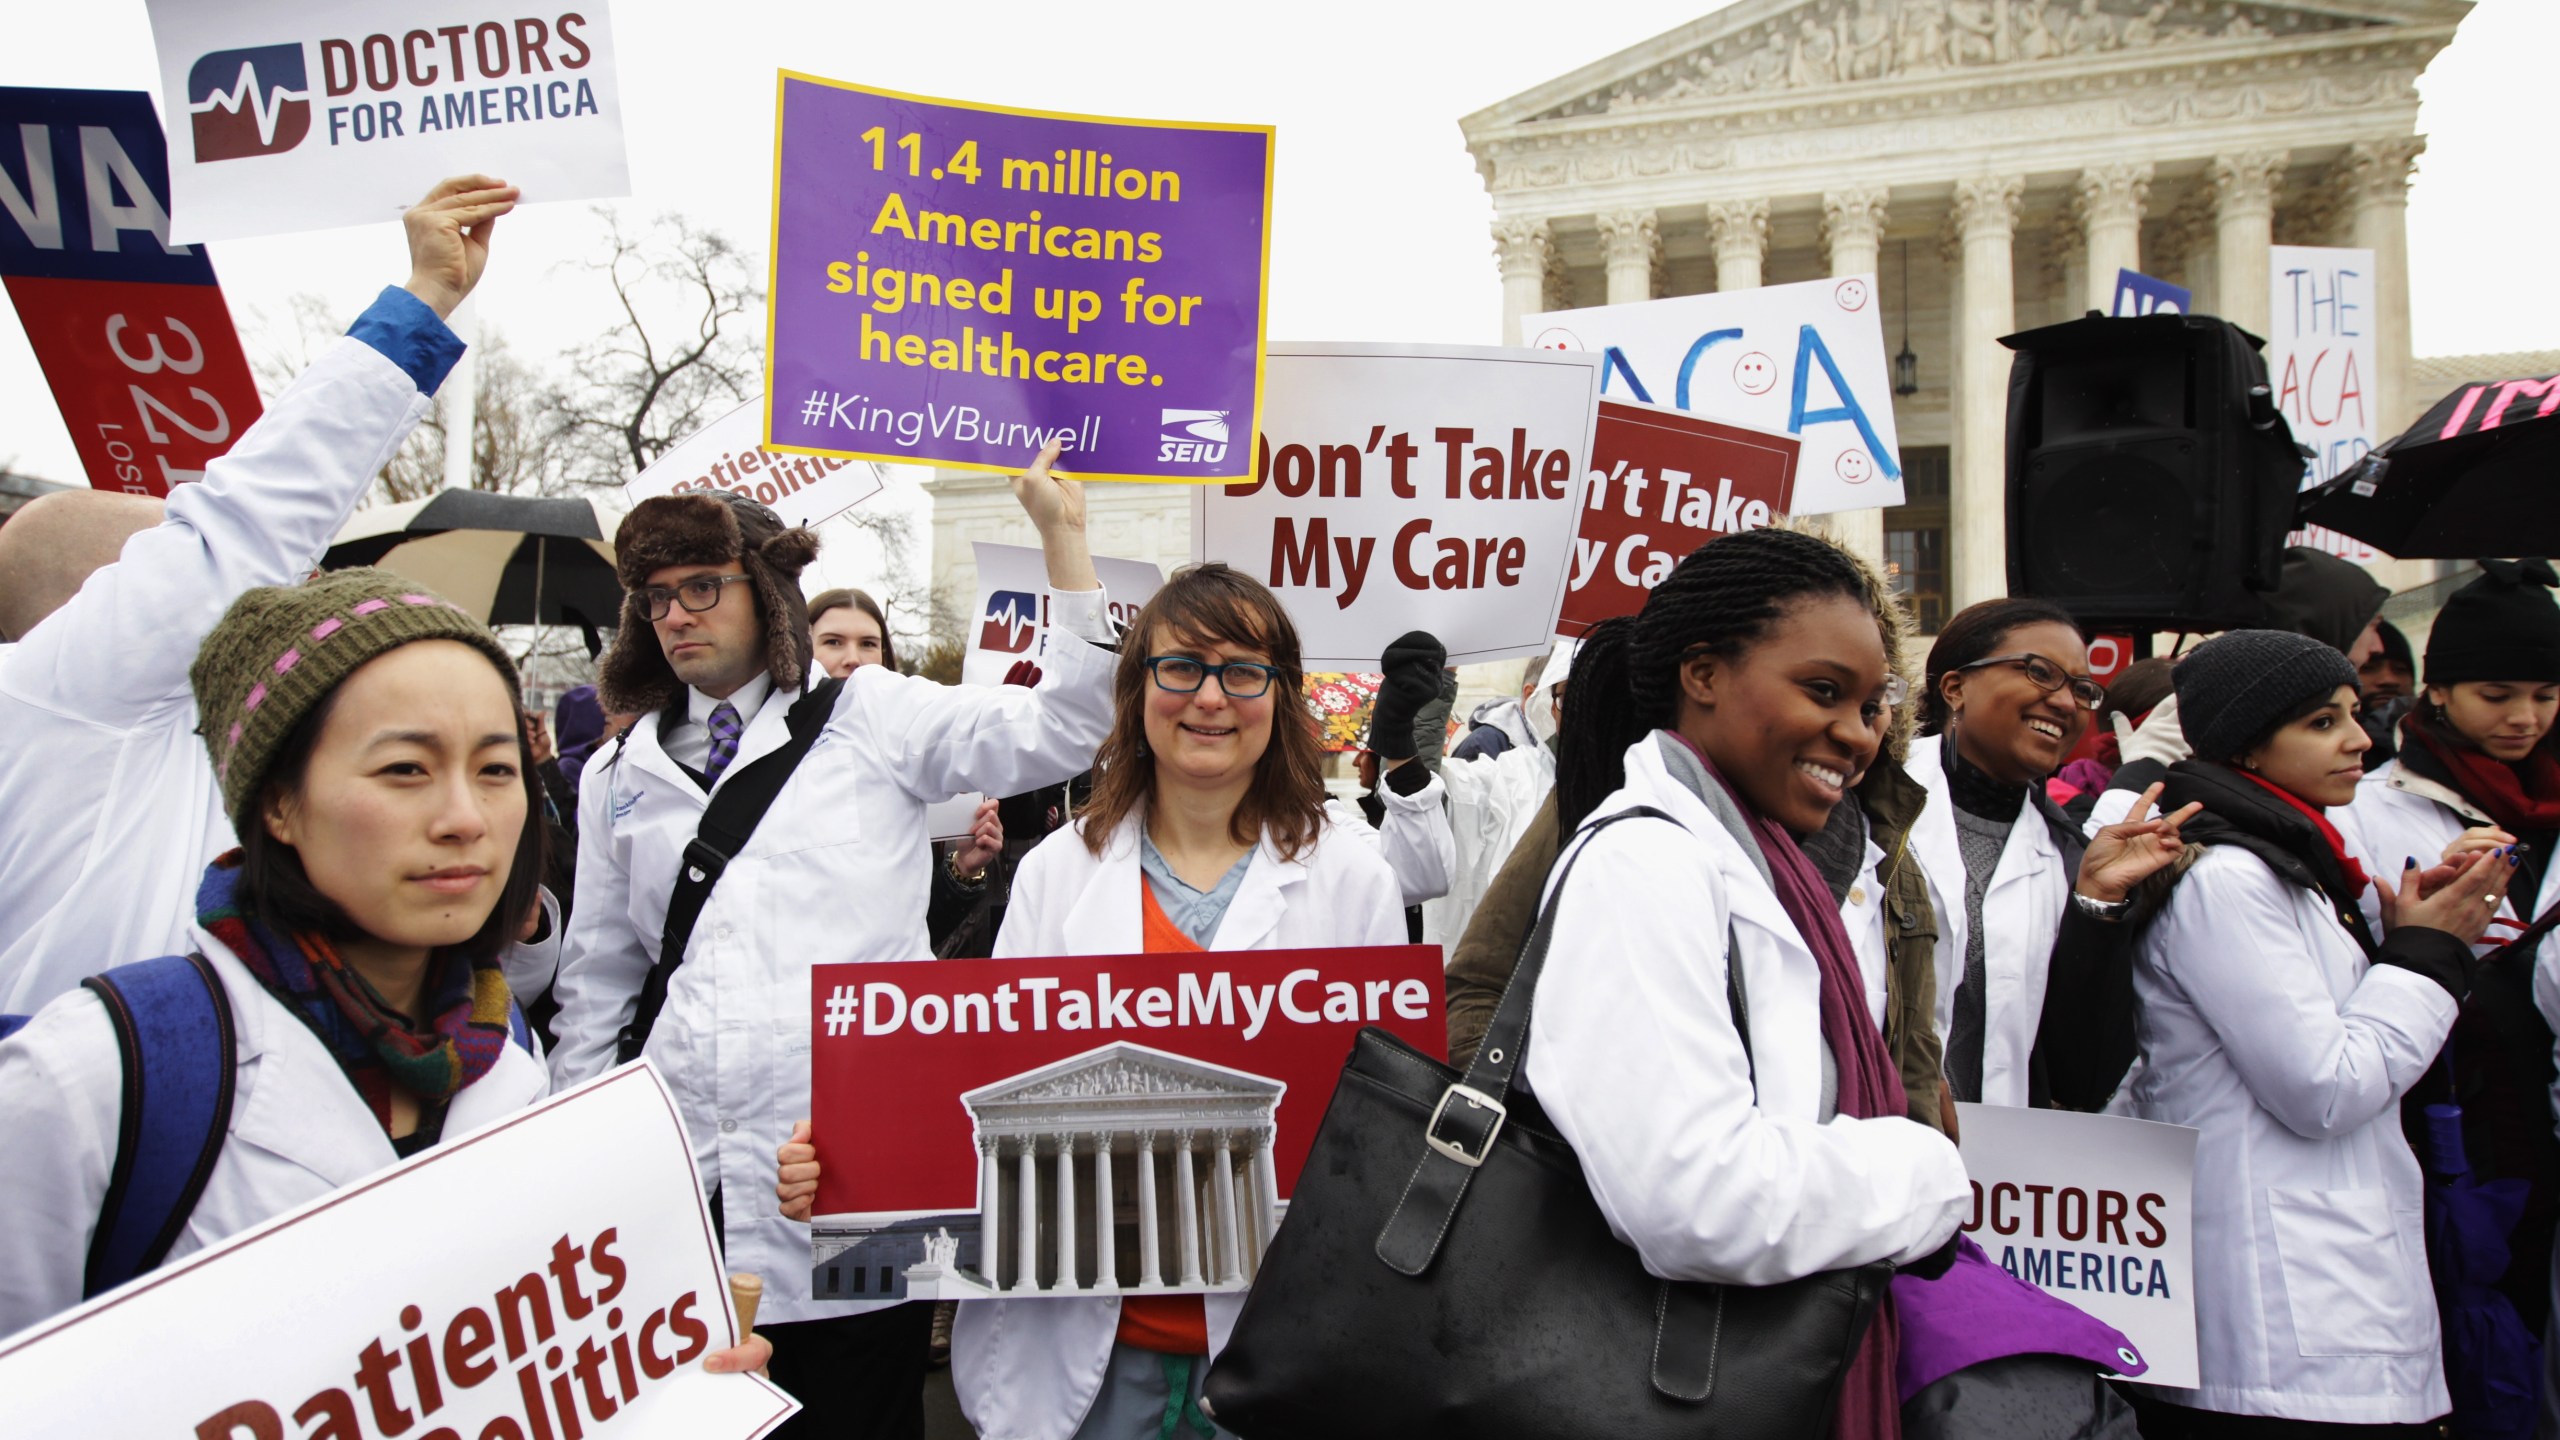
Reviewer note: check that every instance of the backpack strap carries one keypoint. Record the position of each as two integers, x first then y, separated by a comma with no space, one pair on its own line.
174,1029
728,822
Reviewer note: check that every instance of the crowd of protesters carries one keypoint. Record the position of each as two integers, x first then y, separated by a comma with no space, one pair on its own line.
2296,892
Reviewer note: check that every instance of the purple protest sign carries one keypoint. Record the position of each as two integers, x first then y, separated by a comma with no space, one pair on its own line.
956,284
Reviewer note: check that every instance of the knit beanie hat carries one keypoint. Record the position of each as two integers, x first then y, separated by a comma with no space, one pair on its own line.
281,649
2240,685
2501,626
704,528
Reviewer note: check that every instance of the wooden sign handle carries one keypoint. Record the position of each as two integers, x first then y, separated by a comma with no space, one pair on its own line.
745,1290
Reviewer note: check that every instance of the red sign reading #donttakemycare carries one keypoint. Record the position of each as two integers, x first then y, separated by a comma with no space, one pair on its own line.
897,1047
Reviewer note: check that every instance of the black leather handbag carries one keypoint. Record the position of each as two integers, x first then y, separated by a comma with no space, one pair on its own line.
1444,1271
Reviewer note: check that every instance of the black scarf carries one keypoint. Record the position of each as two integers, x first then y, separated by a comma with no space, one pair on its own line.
2238,812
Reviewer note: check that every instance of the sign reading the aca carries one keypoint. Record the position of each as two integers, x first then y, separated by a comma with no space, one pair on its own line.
2097,1210
580,1307
2322,363
1806,359
1115,1124
957,284
290,115
1399,488
131,330
1663,484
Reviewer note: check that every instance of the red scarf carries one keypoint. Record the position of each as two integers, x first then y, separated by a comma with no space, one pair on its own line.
2521,797
2357,880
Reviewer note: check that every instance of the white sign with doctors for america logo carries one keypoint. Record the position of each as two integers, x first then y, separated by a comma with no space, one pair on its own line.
2098,1210
288,115
554,1274
1011,623
729,454
1805,359
1411,487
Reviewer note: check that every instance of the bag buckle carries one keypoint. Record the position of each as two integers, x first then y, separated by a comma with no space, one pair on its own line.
1476,1100
704,860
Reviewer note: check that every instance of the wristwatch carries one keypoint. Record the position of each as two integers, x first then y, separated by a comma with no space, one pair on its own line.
2111,912
952,864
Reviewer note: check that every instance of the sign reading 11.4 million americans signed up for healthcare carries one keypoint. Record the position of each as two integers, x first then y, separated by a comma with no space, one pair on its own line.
957,284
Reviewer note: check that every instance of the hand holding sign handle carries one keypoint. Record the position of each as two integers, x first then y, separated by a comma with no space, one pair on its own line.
754,1352
1055,503
449,238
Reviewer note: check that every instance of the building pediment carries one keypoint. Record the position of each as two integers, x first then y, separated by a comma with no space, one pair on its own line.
1758,52
1120,1071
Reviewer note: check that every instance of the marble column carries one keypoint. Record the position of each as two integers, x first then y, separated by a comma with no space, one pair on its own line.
2378,172
2111,199
1986,217
1740,231
2244,221
1223,1187
1522,249
1150,1242
2193,225
1630,240
1853,224
1067,1213
990,1186
1186,1195
1106,1260
1266,1186
1026,1270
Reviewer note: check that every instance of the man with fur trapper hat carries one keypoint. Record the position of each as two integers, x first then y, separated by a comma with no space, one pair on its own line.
713,655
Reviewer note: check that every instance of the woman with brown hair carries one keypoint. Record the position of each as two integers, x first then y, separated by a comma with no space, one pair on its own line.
1207,831
848,630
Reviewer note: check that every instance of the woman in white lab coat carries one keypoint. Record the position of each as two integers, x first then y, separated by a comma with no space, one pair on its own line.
2034,1001
1206,831
2277,1025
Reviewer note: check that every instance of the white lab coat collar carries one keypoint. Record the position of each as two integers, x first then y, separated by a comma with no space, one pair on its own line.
1106,919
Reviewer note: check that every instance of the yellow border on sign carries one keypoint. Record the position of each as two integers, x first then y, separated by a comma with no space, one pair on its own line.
1262,284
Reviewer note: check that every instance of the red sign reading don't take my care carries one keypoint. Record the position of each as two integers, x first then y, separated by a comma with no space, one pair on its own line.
1663,483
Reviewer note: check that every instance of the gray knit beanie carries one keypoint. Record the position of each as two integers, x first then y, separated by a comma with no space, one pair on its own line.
2239,686
280,649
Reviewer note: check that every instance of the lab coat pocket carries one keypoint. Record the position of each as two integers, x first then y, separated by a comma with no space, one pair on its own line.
815,810
2346,1273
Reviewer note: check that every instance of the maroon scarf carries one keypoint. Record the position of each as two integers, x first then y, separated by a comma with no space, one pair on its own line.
2521,797
1870,1083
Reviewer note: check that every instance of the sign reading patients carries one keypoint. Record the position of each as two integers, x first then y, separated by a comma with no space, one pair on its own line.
291,115
1805,359
958,284
131,329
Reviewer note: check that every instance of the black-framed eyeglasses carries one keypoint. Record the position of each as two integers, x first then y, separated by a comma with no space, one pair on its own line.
1240,679
2048,677
697,594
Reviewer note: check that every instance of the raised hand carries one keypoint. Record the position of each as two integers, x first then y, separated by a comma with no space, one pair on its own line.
985,842
449,238
1055,503
2123,855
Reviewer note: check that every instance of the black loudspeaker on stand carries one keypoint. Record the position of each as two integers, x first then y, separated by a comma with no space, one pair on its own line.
2150,482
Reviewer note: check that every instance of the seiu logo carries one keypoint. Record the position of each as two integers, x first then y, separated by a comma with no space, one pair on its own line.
1012,618
1197,437
249,102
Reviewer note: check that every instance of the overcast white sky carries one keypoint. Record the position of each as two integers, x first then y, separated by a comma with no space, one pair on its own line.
1381,220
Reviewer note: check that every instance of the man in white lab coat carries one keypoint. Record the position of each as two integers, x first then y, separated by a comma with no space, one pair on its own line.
712,653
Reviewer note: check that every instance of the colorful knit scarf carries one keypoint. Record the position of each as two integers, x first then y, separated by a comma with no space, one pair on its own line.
375,1044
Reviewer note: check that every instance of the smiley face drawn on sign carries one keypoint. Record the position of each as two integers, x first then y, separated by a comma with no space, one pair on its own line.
1556,337
1754,373
1854,467
1852,295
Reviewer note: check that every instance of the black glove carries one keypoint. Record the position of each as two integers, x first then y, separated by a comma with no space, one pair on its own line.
1412,668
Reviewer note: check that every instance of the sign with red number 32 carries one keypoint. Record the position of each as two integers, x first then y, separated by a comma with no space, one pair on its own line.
132,331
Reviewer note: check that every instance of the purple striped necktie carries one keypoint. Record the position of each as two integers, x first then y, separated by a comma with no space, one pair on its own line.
724,742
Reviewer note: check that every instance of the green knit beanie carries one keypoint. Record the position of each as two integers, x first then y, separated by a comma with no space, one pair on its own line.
280,650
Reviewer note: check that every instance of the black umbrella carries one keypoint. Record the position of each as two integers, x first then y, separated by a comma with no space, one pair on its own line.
2479,475
509,559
